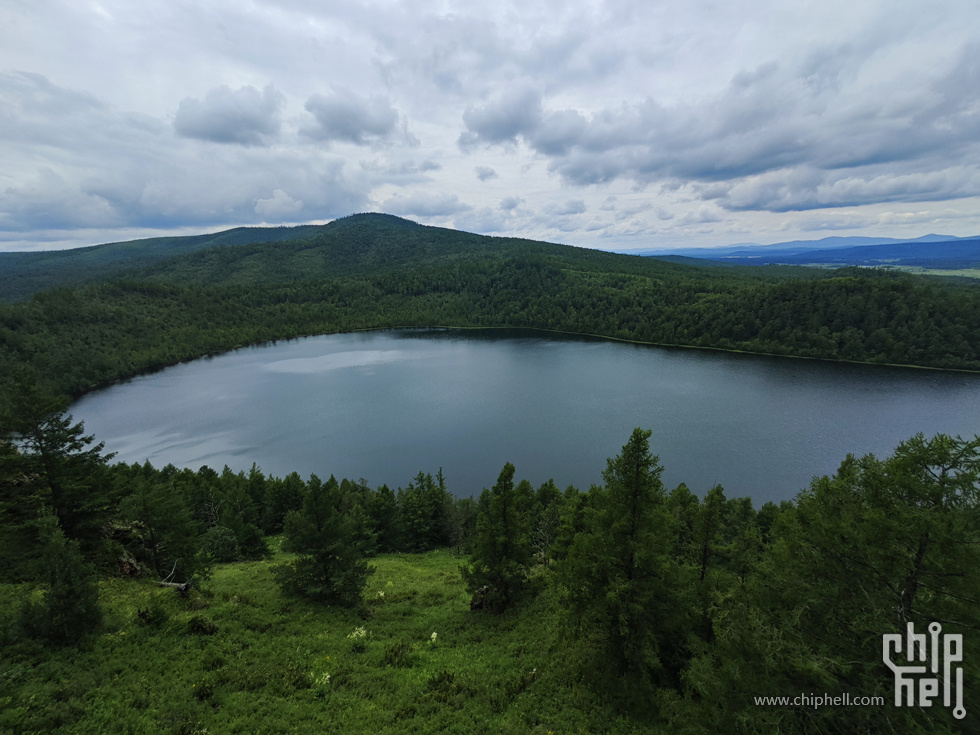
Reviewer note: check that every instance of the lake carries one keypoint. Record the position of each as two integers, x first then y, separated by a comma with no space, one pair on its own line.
385,405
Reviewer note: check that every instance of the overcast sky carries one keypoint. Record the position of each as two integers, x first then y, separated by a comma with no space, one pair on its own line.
628,124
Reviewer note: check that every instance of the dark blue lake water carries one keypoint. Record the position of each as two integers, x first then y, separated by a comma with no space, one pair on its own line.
384,405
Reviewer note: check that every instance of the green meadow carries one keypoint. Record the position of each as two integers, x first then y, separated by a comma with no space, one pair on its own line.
238,657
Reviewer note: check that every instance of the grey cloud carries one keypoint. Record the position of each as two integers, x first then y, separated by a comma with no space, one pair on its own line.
803,189
402,172
571,206
106,168
278,206
502,120
245,116
34,94
484,220
559,131
510,203
345,116
702,215
771,127
36,112
485,173
48,200
424,204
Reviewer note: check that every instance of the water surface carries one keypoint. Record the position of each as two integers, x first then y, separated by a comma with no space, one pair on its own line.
385,405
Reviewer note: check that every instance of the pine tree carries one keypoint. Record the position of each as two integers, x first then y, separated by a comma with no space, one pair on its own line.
880,544
330,566
71,474
422,509
619,579
707,530
69,608
501,550
169,536
21,508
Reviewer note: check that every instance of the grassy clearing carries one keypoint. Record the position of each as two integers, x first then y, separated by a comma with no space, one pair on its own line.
961,272
237,657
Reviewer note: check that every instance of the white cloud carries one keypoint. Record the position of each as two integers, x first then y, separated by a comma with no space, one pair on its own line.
278,206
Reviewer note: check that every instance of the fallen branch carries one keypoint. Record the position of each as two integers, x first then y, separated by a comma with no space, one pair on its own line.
181,587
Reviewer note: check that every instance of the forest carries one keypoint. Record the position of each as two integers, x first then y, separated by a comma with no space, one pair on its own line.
143,599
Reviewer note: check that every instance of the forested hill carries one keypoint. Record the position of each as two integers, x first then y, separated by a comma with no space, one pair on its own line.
23,274
351,246
148,305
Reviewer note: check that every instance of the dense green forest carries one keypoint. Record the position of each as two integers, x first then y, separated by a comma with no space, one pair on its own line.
138,599
144,599
376,271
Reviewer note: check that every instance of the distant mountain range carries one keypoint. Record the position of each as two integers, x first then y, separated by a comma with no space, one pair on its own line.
930,251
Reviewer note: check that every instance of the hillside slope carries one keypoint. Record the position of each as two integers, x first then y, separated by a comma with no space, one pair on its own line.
376,271
24,274
357,245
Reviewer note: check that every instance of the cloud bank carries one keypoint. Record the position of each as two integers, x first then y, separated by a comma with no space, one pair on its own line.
610,124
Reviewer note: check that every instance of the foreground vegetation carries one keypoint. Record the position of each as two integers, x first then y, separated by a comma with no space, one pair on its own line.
137,599
239,657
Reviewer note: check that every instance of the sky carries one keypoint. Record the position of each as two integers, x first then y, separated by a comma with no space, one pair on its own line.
620,125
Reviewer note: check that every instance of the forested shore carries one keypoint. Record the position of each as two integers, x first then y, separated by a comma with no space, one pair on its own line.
372,273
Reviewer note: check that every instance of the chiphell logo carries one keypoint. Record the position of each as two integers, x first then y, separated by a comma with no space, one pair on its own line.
941,652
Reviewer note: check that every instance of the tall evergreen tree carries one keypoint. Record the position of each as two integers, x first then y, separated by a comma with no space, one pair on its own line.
501,555
330,566
281,497
620,581
708,530
69,608
382,510
422,511
68,474
167,532
21,510
881,544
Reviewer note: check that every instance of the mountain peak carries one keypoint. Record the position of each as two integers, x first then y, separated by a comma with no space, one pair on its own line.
374,218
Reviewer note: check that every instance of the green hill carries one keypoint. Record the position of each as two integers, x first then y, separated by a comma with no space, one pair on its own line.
355,245
148,304
24,274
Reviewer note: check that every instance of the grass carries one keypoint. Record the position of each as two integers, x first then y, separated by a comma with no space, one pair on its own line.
238,657
961,272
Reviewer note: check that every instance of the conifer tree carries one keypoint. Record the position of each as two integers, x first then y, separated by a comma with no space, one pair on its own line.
501,550
169,536
422,510
69,608
619,579
21,508
330,566
707,530
70,474
879,545
281,497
